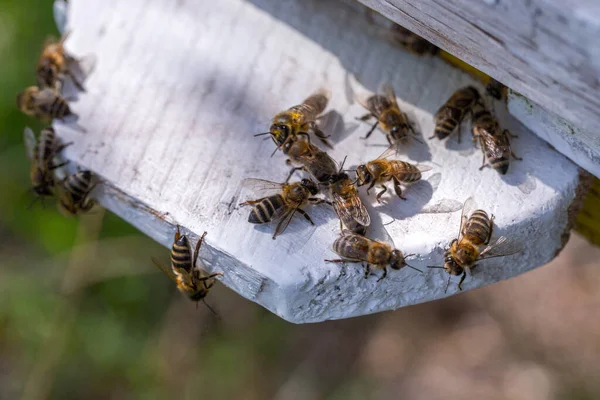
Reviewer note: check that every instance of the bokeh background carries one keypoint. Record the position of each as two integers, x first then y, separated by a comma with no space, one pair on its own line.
85,314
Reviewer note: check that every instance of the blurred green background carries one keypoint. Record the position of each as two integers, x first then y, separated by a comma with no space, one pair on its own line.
84,314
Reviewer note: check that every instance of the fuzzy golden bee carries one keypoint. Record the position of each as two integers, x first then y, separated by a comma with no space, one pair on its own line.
42,153
190,278
495,144
449,117
476,230
44,104
376,254
392,121
347,204
311,159
74,193
55,64
283,205
299,120
381,170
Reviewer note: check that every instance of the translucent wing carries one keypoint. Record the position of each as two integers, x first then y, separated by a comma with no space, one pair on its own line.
389,93
283,224
424,168
443,206
167,270
30,142
389,152
45,97
60,10
262,185
351,208
502,247
82,67
467,210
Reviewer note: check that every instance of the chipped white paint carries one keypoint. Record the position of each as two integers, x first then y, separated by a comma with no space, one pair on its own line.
548,50
180,88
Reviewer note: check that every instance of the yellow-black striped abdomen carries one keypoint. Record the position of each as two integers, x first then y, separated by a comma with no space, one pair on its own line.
180,254
478,227
264,211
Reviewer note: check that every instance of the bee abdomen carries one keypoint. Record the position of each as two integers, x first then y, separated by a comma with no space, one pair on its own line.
500,164
47,144
59,108
478,227
263,212
350,246
445,127
78,185
407,173
180,257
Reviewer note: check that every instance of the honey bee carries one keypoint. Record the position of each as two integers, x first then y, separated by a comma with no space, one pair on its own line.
476,229
393,121
449,117
496,90
74,191
44,104
283,205
357,248
382,170
299,120
412,42
495,145
42,153
313,160
54,64
191,279
347,204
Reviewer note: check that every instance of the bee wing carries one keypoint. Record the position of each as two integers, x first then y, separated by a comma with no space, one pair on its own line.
262,185
388,91
502,247
82,67
467,210
60,9
356,209
30,142
424,168
167,270
389,152
45,97
374,103
441,207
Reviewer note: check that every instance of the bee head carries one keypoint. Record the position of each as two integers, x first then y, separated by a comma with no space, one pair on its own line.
363,175
310,186
397,260
281,129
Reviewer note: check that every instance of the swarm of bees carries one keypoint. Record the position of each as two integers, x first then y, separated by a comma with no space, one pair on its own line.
290,131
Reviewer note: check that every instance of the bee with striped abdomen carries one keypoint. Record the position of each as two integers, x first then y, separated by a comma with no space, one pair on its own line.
357,248
495,144
382,170
191,280
74,193
311,159
393,122
476,230
299,120
283,205
449,117
44,104
347,204
42,153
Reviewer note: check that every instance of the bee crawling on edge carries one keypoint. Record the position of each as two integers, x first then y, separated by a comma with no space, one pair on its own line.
74,193
381,170
476,229
299,120
191,279
283,205
393,122
357,248
311,159
495,144
44,104
449,117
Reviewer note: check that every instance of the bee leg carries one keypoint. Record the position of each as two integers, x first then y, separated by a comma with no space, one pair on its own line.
62,147
398,189
367,271
365,117
381,193
371,130
384,274
178,233
251,202
483,163
462,278
197,249
509,133
51,167
515,157
338,261
491,230
371,186
305,214
76,82
316,200
292,173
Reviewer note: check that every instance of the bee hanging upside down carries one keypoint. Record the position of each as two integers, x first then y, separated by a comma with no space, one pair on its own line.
191,279
74,193
382,170
495,144
283,205
44,104
449,117
476,229
357,248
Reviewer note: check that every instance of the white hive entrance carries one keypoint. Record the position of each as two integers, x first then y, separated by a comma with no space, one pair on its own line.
178,92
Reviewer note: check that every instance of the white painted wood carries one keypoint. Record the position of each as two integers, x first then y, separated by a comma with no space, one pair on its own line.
178,91
547,50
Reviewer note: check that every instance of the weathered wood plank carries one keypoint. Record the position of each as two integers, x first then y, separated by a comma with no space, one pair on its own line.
171,108
547,50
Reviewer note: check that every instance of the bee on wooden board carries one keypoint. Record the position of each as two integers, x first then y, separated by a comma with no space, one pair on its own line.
381,170
376,254
74,193
283,205
191,279
347,204
496,90
495,144
299,120
393,122
411,41
313,160
449,117
55,64
42,153
476,229
44,104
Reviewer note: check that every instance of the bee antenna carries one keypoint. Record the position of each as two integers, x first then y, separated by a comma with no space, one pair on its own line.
343,162
263,133
435,266
274,151
391,222
209,307
416,269
447,284
35,200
